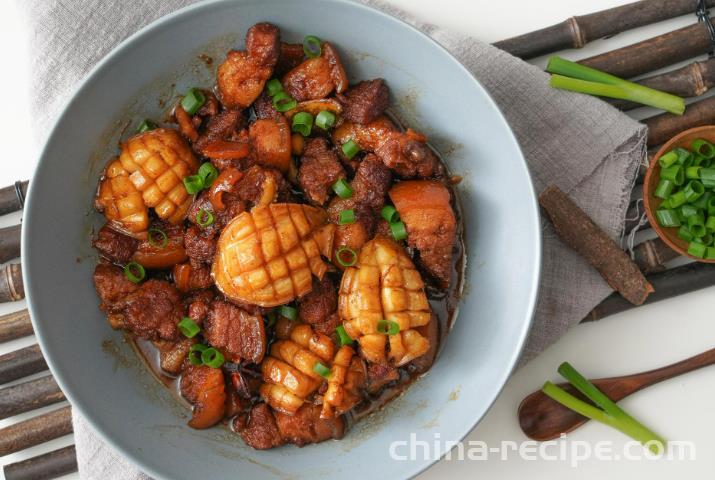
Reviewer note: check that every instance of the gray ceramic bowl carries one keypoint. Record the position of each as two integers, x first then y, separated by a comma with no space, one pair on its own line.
103,378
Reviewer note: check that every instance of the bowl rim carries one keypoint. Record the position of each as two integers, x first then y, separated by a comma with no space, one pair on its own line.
536,240
648,196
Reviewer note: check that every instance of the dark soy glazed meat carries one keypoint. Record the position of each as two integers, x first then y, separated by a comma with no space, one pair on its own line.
281,373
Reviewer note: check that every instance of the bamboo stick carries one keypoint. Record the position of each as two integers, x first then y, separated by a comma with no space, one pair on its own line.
9,243
652,255
12,287
689,81
29,396
578,31
36,430
654,53
21,363
667,284
663,127
15,325
579,232
44,467
8,198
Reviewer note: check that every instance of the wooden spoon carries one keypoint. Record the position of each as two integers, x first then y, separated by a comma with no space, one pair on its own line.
542,418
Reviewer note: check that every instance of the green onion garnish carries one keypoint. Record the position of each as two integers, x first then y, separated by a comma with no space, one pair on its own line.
347,257
388,327
399,232
664,188
212,358
691,173
350,149
311,46
157,237
668,159
145,126
342,189
703,147
696,249
188,327
389,213
710,253
325,119
195,353
134,272
321,370
346,217
274,86
343,336
707,177
193,100
194,184
693,190
684,233
676,199
283,102
204,218
208,174
291,313
667,218
580,78
675,174
609,413
302,123
710,224
696,224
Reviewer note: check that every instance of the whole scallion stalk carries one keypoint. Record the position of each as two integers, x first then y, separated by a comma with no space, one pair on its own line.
579,78
609,413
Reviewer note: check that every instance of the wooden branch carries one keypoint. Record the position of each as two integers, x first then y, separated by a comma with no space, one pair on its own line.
43,467
8,198
667,284
9,243
578,31
15,325
21,363
29,396
665,126
689,81
652,255
579,232
36,430
12,287
654,53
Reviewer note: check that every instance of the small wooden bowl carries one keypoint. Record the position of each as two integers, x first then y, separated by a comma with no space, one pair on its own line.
652,178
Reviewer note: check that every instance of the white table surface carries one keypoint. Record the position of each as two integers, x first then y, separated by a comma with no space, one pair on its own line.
645,338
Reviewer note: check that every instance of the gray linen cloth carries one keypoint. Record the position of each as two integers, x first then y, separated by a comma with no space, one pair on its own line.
578,143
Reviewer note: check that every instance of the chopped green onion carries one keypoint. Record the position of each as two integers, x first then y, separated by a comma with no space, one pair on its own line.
691,173
195,353
683,155
350,149
676,199
664,189
609,413
212,358
302,123
283,102
711,206
208,173
706,239
707,176
342,189
703,147
311,46
274,86
697,160
580,78
668,159
696,225
272,318
290,313
145,126
188,327
388,327
193,101
157,237
675,174
688,210
710,253
351,259
389,213
134,272
696,249
343,336
710,224
346,217
684,234
321,370
702,202
667,218
325,119
204,218
194,184
399,232
693,190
